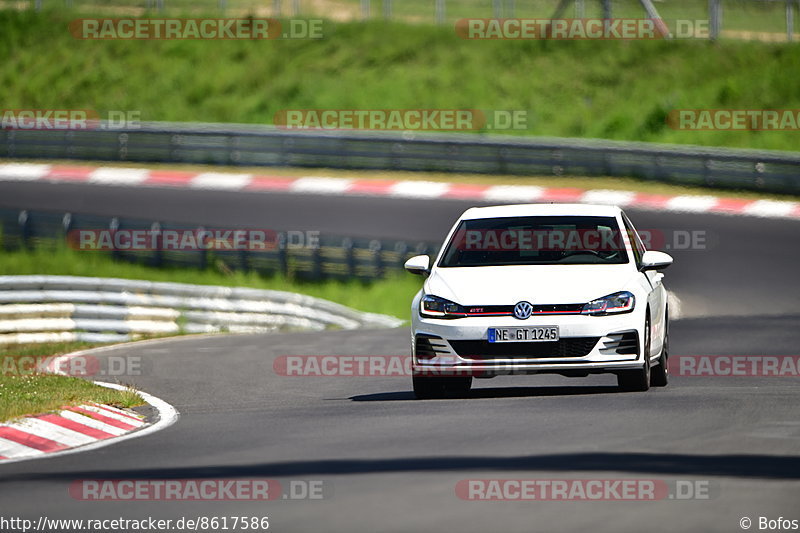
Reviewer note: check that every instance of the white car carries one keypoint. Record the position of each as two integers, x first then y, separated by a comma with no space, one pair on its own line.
527,289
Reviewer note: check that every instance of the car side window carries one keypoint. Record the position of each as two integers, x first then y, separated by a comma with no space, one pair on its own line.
636,241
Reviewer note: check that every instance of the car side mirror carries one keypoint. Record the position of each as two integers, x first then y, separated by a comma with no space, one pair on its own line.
419,264
652,260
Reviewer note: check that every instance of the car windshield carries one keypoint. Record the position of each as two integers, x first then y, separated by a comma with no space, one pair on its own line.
535,240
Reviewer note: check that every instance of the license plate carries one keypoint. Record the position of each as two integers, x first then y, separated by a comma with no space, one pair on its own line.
524,334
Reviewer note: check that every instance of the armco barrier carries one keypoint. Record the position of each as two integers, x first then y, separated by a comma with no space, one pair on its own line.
250,145
331,257
68,308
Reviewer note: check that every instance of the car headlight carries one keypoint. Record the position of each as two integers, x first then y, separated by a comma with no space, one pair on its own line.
435,307
619,302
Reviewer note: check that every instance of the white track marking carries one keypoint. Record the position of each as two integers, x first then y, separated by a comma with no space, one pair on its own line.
119,176
692,204
23,171
221,180
419,189
513,193
609,197
770,208
320,185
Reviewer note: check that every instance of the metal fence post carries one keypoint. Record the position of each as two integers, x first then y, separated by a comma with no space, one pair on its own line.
789,21
402,251
113,226
276,8
607,14
316,263
283,259
203,262
158,255
365,9
579,9
375,246
24,228
244,263
440,11
66,224
714,17
387,9
349,256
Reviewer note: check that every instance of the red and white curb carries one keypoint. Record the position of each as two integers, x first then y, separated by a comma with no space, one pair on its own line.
34,436
226,181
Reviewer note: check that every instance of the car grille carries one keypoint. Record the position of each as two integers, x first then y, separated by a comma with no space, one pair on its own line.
503,310
566,347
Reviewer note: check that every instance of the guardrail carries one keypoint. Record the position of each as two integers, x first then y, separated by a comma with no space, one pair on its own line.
329,257
68,308
237,144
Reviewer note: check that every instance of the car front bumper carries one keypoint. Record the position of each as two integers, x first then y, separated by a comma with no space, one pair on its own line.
606,354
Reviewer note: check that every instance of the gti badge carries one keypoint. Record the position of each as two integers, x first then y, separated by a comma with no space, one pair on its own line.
523,310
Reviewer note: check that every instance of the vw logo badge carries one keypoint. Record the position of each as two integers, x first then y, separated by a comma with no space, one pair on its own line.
523,310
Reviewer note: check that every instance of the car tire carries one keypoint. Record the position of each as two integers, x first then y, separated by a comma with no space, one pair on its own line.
426,387
638,380
659,376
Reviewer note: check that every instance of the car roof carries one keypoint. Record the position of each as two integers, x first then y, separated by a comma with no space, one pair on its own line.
532,210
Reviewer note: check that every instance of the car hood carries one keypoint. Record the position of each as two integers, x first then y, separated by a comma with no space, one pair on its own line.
538,284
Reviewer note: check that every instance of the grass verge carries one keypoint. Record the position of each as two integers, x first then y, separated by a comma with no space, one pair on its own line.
25,390
604,89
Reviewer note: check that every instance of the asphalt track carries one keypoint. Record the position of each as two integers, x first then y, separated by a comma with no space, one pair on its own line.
390,463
